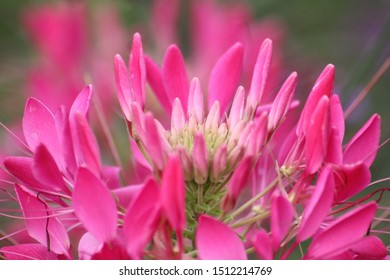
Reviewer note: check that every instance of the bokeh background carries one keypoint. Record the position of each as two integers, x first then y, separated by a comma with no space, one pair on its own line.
352,35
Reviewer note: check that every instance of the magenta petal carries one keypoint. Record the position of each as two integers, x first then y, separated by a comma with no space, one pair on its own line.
322,87
88,246
154,142
27,252
94,205
46,171
21,168
337,115
195,101
137,70
351,179
216,241
125,195
282,213
173,194
178,118
85,144
154,78
237,183
200,159
342,233
318,207
39,226
282,102
111,176
370,247
237,109
317,136
39,127
364,145
175,77
82,102
260,74
225,76
334,152
140,221
263,245
123,84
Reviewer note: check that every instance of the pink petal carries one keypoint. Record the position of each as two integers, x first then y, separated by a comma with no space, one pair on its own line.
237,183
39,127
123,84
260,74
317,136
137,70
173,194
334,152
195,101
350,179
225,76
94,205
27,252
219,162
175,77
141,219
282,213
216,241
342,233
63,127
154,78
337,115
263,245
88,246
322,87
237,109
200,159
85,144
21,168
318,207
46,171
282,102
111,176
213,118
82,102
178,119
138,122
125,195
370,247
258,136
39,226
154,142
364,145
113,250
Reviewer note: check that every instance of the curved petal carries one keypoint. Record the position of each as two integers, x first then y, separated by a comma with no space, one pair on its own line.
282,213
364,145
342,233
175,76
39,127
48,231
140,221
318,206
216,241
173,194
224,77
94,205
